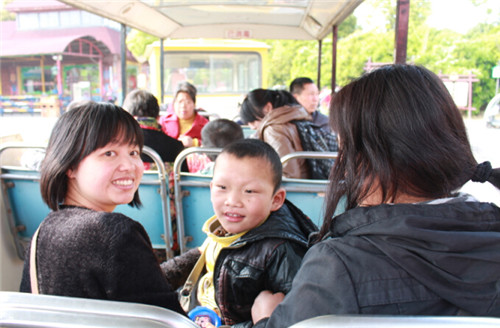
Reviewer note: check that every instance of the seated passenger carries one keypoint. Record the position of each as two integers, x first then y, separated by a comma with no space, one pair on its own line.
408,243
185,123
216,134
283,123
82,248
307,94
255,240
143,105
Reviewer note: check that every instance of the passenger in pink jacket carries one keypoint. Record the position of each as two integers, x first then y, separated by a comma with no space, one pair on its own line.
184,123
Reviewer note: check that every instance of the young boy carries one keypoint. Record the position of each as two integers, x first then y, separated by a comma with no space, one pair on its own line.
215,134
256,239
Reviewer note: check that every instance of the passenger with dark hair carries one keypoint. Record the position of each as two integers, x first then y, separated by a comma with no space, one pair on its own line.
216,134
143,105
255,240
185,123
408,243
82,248
307,94
272,113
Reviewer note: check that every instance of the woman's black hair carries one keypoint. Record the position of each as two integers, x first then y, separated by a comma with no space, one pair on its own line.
255,148
141,103
252,107
78,133
399,129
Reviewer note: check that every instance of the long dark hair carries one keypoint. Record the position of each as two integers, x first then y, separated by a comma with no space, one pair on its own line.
398,128
78,133
252,107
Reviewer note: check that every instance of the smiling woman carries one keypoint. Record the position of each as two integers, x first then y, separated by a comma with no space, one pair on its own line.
82,248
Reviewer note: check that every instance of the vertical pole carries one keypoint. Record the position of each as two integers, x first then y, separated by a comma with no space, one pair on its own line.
123,55
101,79
59,76
162,72
334,57
42,74
318,80
496,89
19,77
402,15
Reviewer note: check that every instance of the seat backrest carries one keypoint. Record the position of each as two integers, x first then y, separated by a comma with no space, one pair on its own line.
26,209
30,310
308,194
400,321
192,200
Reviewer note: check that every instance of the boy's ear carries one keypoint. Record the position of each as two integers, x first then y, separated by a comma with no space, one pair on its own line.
278,199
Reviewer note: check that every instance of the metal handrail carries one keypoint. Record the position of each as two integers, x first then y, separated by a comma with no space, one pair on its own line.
181,157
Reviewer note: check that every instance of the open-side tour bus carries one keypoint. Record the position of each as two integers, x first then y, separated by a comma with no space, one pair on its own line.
226,68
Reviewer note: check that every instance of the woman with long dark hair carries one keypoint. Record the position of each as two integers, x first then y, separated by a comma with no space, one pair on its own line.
408,242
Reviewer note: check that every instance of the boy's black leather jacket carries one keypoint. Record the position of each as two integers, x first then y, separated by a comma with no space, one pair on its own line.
265,258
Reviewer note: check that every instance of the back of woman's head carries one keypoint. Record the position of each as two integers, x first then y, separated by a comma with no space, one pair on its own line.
252,108
78,133
141,103
400,130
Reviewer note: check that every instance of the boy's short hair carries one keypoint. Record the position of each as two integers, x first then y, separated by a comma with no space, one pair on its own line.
255,148
219,133
141,103
77,133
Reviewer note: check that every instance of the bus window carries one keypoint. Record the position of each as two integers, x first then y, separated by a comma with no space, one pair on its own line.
213,73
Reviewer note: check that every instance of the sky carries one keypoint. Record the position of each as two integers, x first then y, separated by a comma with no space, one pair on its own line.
457,15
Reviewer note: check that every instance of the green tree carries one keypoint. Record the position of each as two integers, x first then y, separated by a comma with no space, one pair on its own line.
137,41
4,14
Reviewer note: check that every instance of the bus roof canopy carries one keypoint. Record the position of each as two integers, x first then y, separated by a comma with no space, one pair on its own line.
255,19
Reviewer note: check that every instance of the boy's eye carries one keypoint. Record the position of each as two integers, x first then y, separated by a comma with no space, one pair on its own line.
221,187
109,153
135,153
249,191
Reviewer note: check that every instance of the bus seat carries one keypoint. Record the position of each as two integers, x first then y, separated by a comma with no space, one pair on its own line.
306,194
26,210
192,200
154,214
247,131
33,310
361,321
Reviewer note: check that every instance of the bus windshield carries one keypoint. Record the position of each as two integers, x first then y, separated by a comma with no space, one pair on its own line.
213,72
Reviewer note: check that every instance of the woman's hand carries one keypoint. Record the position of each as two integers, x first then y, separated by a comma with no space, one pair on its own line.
264,305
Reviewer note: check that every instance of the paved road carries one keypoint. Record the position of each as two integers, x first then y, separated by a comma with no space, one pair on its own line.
485,144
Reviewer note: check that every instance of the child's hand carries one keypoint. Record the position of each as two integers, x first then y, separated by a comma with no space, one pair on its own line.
264,305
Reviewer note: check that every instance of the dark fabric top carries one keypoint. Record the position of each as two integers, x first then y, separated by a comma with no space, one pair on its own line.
98,255
408,259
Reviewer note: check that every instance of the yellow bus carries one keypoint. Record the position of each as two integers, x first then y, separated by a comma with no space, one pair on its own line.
223,71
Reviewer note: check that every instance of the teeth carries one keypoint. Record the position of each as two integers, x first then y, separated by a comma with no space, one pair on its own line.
233,215
123,182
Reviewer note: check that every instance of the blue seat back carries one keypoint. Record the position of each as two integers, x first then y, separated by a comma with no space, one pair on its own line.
192,200
26,209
